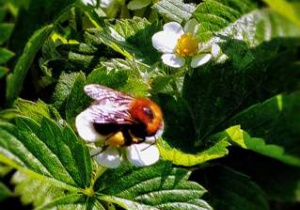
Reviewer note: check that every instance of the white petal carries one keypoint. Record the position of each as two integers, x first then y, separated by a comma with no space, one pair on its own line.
105,3
204,47
142,154
90,2
85,127
200,59
109,158
173,27
164,41
215,50
173,60
152,139
191,26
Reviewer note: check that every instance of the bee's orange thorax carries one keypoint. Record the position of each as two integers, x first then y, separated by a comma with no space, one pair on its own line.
147,112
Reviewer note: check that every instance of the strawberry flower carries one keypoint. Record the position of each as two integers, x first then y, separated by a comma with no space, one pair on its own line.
177,44
110,153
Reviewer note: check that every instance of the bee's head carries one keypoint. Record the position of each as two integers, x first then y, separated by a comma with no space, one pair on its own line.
148,113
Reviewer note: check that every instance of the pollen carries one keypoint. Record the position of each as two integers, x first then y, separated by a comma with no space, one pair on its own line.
117,140
187,45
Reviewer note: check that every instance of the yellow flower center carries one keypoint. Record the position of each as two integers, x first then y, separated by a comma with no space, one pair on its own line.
117,140
187,45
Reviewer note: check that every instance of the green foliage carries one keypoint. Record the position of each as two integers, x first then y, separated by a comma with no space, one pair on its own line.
16,79
27,187
230,189
232,124
175,10
6,30
215,15
157,187
4,192
286,9
276,121
279,181
131,38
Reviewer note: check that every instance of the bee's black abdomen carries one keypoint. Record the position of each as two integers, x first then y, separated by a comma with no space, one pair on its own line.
106,129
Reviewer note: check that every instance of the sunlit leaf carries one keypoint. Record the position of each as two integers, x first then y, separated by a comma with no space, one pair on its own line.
130,37
175,10
155,187
215,15
275,123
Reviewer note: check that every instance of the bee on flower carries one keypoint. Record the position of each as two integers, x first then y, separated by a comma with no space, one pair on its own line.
120,127
178,44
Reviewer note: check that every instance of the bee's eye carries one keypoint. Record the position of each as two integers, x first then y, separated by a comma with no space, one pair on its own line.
148,112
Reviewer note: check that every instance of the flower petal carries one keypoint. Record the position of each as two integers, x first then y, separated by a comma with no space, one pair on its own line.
200,59
191,26
164,41
173,60
152,139
215,50
173,27
142,154
90,2
109,158
85,127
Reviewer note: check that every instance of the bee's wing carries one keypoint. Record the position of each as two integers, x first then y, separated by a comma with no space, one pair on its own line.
110,115
99,92
110,106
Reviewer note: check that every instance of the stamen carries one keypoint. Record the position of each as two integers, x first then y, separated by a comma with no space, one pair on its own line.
116,140
187,45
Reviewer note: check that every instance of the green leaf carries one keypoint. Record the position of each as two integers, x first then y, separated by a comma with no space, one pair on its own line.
189,158
175,10
229,189
49,196
36,111
48,151
156,187
215,15
73,201
63,89
252,73
4,170
3,71
237,136
16,79
33,17
4,192
277,122
280,181
27,189
5,55
130,37
177,144
6,29
138,4
77,100
48,140
285,9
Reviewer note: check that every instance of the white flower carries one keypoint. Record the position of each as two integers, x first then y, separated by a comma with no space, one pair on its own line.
90,2
177,44
108,151
103,3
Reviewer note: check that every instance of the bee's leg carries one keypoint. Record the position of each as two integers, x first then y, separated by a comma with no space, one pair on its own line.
97,151
144,139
